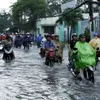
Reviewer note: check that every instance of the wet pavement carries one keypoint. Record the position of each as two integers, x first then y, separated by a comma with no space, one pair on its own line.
27,78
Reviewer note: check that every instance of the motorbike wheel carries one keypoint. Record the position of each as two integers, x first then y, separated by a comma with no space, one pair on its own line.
51,63
26,47
90,75
42,54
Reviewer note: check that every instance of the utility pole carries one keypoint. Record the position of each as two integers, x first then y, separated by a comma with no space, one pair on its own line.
90,5
99,16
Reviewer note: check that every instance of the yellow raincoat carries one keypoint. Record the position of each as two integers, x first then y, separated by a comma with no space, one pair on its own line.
95,43
60,50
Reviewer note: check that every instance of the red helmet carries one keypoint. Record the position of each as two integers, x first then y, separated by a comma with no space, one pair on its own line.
98,35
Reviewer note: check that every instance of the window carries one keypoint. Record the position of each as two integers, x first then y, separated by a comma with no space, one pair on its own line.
49,29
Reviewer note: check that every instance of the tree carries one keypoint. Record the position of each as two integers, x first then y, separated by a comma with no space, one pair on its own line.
87,34
70,19
5,21
26,12
54,7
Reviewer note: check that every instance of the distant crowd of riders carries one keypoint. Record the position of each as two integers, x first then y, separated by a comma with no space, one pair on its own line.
83,56
8,41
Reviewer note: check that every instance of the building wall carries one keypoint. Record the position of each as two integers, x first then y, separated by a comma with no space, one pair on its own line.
46,22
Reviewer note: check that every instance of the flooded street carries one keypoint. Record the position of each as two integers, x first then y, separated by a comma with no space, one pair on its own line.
27,78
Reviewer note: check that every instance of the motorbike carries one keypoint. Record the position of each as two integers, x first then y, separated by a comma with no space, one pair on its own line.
98,54
26,46
1,47
88,73
71,65
50,57
42,53
8,53
72,69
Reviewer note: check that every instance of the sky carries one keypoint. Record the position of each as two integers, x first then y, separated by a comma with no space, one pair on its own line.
5,4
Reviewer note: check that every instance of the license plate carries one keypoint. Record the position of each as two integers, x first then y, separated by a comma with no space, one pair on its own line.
99,58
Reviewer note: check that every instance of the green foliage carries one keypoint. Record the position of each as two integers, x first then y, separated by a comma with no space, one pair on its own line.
54,6
87,34
5,21
26,12
71,18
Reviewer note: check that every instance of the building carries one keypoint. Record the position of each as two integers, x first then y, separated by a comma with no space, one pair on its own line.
47,25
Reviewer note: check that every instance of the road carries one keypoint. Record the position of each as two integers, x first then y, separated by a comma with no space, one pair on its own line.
27,78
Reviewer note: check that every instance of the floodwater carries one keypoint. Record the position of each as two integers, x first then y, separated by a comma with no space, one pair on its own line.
27,78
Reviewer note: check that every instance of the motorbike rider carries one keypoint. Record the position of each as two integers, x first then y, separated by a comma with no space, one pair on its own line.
47,45
98,46
73,41
38,40
26,41
71,47
8,43
84,58
93,41
60,47
18,41
42,51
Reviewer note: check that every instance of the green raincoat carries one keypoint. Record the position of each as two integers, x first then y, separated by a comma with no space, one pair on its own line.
86,55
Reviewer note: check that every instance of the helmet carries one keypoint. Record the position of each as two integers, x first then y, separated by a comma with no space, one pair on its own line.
48,35
53,35
98,35
95,34
81,35
74,35
56,35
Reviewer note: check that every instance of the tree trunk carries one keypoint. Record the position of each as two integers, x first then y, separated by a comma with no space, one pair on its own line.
68,34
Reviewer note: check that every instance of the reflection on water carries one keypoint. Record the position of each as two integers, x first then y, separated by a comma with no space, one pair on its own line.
26,78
